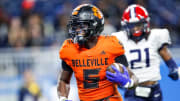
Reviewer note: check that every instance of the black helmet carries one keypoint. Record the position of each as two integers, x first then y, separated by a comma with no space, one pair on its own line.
87,18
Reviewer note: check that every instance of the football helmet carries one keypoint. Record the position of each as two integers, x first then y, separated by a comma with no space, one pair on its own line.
86,22
136,22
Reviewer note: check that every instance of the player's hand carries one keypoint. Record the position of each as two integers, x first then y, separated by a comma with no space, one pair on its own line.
118,77
174,74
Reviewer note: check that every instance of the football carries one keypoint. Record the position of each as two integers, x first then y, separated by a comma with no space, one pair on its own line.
118,66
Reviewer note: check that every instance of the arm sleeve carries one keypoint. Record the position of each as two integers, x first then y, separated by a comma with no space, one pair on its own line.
122,59
66,67
163,39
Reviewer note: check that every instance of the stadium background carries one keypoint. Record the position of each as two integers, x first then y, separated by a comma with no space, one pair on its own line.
32,31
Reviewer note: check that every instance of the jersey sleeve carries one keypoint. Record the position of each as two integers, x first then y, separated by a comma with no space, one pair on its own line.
122,59
67,51
66,67
62,50
66,48
163,38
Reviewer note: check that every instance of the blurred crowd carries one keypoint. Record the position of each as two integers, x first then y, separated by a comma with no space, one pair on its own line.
34,23
28,23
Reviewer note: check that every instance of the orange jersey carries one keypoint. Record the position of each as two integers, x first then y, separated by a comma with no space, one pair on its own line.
89,66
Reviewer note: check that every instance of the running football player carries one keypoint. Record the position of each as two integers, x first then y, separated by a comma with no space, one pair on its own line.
88,54
144,48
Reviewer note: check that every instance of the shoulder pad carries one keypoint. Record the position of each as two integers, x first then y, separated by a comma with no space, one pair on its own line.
67,49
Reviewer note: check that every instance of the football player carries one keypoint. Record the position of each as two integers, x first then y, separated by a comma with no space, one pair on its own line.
88,54
144,48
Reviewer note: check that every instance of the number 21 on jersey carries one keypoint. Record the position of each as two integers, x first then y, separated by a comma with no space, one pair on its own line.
139,59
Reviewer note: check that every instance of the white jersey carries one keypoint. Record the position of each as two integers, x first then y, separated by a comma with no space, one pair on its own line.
143,57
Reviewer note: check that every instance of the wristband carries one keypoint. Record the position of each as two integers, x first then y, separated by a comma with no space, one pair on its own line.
171,64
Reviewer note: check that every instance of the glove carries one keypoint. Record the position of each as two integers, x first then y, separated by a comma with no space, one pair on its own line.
62,98
174,74
118,77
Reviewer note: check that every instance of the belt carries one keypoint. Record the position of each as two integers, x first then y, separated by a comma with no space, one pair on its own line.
148,83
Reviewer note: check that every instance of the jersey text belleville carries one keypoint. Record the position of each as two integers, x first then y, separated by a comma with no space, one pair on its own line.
89,62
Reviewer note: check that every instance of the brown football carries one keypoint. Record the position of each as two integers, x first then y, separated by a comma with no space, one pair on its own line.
118,67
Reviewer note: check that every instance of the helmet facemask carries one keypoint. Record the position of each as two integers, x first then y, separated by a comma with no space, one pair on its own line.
81,31
137,30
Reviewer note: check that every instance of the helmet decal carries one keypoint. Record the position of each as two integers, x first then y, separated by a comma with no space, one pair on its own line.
97,12
135,13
